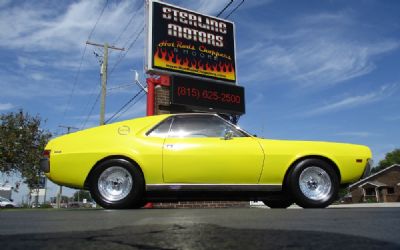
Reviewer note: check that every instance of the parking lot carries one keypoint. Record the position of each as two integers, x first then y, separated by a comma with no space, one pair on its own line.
236,228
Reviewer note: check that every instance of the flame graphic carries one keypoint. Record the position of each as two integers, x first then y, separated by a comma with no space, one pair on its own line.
170,60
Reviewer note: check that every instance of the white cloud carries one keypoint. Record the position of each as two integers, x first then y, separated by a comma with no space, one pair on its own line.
3,3
37,76
204,6
25,62
354,101
319,50
356,134
36,28
6,106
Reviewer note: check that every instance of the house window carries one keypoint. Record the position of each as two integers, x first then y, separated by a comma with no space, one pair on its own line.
370,191
390,190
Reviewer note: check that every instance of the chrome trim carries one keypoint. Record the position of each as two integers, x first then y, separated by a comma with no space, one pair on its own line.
115,183
213,187
368,168
315,183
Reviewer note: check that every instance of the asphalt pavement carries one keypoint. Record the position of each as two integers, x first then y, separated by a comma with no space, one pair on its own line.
235,228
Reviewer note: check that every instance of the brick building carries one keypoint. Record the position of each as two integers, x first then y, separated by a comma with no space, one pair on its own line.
383,186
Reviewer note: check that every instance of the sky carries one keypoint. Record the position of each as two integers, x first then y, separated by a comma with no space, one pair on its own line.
312,70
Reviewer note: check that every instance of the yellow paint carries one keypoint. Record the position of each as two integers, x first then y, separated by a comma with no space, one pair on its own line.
246,160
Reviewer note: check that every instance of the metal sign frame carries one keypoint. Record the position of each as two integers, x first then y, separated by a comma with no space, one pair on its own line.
206,71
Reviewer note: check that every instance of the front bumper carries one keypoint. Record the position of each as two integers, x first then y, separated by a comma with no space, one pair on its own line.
368,169
45,165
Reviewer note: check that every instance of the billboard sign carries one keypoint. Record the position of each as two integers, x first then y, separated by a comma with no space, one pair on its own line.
207,95
183,42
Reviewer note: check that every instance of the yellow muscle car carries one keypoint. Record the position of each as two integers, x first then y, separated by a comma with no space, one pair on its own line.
199,157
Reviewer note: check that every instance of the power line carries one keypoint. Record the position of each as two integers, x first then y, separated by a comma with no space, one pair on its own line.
81,61
125,28
91,110
97,21
126,104
75,83
130,46
234,9
226,6
130,106
121,86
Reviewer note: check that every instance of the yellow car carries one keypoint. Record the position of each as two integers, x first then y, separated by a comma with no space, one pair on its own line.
199,157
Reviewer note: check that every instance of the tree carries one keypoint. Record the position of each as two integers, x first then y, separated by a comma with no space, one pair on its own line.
390,159
82,194
22,142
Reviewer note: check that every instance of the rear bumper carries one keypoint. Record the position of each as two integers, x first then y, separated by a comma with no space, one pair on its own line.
44,165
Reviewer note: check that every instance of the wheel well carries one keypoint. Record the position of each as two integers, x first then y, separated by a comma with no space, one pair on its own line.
112,157
327,160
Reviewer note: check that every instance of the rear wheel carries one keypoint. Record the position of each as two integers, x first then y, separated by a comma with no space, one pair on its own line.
313,183
117,184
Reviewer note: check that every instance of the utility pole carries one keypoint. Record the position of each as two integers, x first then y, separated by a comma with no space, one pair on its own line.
68,128
103,73
59,194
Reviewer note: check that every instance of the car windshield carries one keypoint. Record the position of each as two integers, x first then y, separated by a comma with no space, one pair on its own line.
195,126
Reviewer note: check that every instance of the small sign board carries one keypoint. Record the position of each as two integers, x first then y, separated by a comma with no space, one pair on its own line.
207,95
184,42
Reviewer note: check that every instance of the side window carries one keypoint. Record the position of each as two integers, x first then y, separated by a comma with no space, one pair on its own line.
201,126
161,130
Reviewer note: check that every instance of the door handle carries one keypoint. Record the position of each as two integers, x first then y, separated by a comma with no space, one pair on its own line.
169,145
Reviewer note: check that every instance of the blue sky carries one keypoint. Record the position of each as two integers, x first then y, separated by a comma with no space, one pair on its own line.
312,70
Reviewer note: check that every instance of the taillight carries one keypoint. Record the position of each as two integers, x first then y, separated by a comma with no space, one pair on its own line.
46,153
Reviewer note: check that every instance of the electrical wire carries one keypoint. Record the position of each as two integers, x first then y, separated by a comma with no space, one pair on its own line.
130,106
74,84
121,86
97,21
226,6
91,110
234,9
123,56
81,61
125,28
126,104
115,65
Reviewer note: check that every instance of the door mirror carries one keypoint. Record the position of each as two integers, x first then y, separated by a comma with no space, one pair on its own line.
228,135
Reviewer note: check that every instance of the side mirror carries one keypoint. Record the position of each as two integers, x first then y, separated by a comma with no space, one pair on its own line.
228,134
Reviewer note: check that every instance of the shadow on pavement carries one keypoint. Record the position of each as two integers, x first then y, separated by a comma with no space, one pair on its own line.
193,236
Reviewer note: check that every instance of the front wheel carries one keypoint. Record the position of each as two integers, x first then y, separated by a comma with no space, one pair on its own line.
313,183
117,184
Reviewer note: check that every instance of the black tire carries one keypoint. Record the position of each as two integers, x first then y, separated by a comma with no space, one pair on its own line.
284,203
315,193
9,206
131,198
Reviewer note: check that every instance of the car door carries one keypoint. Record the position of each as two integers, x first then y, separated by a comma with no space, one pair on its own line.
195,151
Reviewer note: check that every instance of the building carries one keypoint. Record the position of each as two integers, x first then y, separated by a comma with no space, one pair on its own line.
383,186
5,192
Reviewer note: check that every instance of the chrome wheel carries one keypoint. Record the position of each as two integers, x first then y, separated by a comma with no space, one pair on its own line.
115,183
315,183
